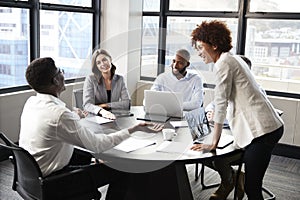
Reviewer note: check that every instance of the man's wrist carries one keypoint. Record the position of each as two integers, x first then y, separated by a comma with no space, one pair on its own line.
132,129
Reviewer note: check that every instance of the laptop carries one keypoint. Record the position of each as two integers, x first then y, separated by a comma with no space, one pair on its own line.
161,105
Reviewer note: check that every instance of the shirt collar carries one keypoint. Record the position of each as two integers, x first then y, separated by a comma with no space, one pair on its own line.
187,76
49,97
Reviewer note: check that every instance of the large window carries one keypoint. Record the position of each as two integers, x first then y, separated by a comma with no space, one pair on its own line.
62,29
267,32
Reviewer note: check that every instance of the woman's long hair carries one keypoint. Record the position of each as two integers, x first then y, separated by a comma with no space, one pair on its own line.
97,73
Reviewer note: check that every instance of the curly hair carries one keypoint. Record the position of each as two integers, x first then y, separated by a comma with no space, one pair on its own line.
39,73
95,69
215,33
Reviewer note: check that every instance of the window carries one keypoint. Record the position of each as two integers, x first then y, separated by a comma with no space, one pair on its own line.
274,6
70,34
87,3
268,33
14,45
204,5
149,46
64,31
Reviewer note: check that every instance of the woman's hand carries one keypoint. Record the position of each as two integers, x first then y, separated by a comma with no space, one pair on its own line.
146,127
106,114
203,147
104,105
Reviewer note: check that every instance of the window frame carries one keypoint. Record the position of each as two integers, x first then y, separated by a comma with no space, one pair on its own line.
243,14
34,7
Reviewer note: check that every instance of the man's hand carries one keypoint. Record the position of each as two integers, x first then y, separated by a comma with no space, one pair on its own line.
203,147
81,113
210,115
106,114
146,127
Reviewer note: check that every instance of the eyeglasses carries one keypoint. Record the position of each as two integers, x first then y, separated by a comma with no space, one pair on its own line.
58,72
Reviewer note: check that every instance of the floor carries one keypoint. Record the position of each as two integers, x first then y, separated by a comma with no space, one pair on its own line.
282,178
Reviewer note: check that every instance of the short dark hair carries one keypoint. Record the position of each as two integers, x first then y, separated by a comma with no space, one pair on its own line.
215,33
39,73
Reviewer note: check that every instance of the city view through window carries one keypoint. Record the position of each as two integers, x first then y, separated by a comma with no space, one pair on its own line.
64,36
272,45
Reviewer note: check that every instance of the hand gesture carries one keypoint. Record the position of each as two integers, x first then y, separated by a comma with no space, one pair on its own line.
80,113
146,127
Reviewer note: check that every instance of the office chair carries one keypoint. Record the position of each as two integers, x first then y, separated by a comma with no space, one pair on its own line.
31,184
239,163
78,96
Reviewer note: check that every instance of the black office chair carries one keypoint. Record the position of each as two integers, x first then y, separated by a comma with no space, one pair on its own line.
78,96
31,184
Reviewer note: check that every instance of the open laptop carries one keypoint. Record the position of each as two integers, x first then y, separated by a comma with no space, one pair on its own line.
161,105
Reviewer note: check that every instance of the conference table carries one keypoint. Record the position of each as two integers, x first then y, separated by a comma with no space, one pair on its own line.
157,171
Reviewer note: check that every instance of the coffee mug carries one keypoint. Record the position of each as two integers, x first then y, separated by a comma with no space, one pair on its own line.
168,133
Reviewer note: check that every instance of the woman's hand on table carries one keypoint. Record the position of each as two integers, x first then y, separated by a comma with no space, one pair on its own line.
203,147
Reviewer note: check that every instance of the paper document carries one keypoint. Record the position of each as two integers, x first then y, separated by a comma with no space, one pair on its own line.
177,124
132,144
172,147
99,120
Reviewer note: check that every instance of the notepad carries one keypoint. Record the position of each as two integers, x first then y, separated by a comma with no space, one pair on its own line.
178,124
132,144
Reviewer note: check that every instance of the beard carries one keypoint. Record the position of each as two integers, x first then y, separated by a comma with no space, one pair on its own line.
181,72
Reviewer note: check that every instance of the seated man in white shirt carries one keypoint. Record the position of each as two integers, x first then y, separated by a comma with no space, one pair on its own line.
49,131
181,80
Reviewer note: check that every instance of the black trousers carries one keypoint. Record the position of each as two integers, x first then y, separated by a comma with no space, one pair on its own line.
256,157
96,175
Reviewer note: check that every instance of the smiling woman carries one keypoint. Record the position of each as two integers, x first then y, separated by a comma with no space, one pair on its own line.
103,90
254,122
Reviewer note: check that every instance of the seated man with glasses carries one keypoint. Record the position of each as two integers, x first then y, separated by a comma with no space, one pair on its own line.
49,131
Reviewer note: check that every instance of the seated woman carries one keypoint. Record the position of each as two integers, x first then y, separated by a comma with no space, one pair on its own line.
104,90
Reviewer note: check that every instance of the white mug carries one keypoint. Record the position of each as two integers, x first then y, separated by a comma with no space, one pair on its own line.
168,133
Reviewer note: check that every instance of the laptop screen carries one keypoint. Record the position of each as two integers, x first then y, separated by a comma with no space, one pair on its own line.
163,103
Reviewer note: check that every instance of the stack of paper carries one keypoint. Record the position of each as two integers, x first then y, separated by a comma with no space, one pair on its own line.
132,144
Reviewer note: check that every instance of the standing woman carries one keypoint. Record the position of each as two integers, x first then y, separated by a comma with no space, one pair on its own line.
254,123
104,90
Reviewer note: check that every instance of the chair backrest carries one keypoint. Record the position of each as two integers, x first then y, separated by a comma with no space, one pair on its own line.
78,96
27,174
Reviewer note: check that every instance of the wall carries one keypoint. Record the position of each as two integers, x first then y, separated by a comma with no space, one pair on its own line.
121,35
11,106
